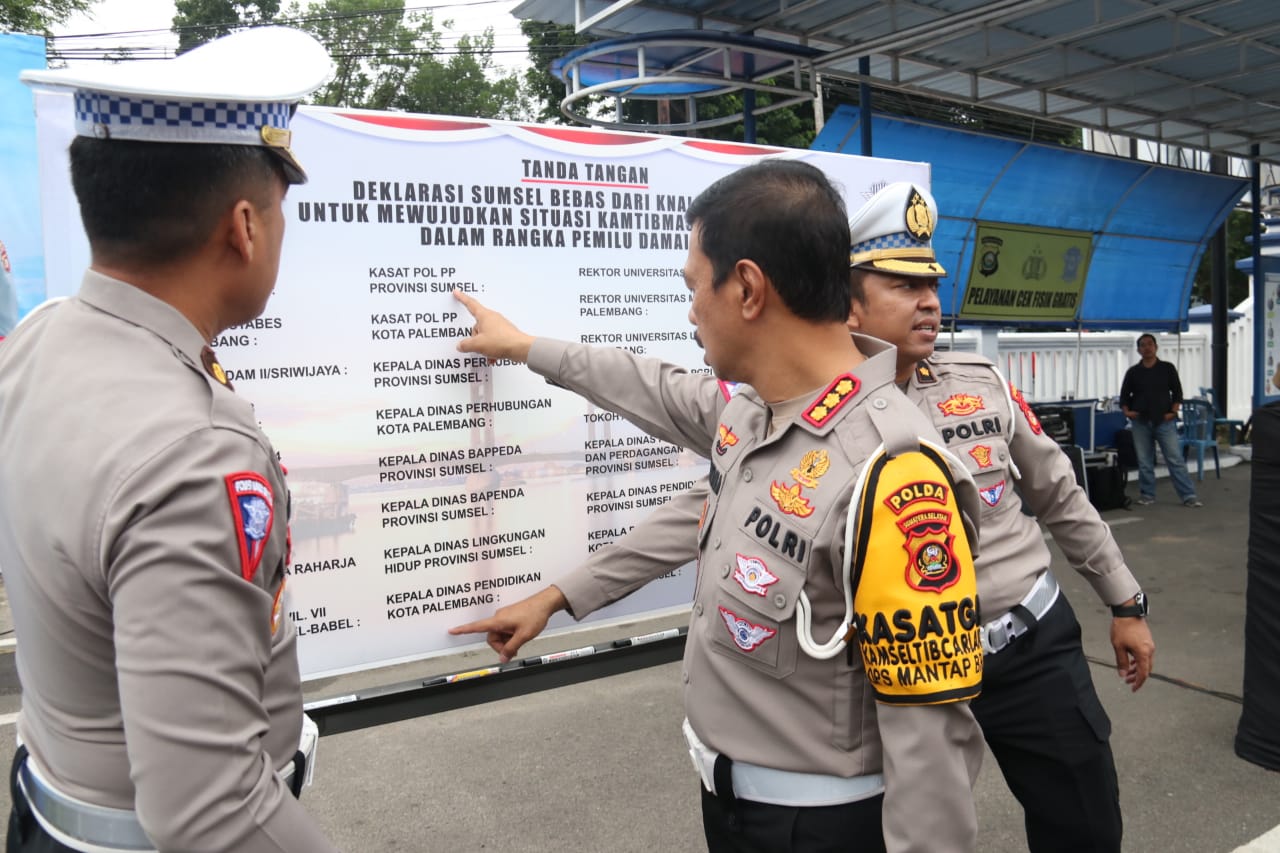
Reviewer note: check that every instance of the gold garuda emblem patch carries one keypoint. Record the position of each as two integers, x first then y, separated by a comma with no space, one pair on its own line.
812,466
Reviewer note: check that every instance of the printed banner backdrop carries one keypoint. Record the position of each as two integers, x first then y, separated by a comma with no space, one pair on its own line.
1023,273
21,257
428,488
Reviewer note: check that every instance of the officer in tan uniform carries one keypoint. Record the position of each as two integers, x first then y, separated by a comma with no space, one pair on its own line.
143,514
831,526
1038,710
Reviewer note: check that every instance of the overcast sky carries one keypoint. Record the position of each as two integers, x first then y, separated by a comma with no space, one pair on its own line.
145,24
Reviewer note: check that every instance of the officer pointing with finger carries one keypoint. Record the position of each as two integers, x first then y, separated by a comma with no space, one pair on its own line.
833,644
143,514
1038,708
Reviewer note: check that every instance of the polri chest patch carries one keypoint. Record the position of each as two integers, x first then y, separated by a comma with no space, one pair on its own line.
252,512
772,530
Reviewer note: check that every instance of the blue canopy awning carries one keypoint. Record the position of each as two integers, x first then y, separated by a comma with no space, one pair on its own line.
1150,223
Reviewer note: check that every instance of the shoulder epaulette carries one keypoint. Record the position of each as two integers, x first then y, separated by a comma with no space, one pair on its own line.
831,400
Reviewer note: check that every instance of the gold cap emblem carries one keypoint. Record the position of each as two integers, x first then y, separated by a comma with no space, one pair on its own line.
920,222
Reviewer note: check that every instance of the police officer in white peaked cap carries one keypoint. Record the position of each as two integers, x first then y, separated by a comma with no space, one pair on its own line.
143,514
1038,710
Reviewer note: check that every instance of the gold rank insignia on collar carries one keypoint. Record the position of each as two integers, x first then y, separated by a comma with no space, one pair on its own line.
925,374
831,400
211,366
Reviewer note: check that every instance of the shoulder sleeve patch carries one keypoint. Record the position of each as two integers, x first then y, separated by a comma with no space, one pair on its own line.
1021,402
252,512
916,597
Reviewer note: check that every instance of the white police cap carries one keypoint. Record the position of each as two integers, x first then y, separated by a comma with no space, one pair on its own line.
893,232
240,89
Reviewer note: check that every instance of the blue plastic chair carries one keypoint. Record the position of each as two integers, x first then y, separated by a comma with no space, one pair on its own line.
1198,431
1234,426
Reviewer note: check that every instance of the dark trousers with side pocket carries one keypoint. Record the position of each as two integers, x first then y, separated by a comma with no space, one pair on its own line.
1044,723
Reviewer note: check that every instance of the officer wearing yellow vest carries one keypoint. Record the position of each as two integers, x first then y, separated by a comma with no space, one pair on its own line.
143,514
833,523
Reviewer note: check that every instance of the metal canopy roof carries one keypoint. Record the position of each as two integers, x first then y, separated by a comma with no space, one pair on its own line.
1202,74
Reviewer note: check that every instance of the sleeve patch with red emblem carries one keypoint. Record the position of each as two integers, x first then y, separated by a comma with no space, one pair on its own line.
1032,420
252,511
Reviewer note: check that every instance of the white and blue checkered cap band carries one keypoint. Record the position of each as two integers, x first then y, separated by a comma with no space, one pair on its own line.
121,117
897,240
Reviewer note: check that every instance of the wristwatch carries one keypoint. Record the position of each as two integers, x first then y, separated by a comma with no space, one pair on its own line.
1138,608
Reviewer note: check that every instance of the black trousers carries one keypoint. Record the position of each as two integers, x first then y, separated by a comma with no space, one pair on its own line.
742,826
26,835
1043,721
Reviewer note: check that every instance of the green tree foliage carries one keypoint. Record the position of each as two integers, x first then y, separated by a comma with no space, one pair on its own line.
38,16
547,43
467,84
199,21
1239,227
374,44
385,56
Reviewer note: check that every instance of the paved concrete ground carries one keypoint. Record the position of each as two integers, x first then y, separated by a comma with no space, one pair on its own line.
601,766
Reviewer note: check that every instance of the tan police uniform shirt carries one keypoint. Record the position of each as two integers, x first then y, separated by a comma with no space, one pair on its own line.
159,672
996,435
992,441
750,691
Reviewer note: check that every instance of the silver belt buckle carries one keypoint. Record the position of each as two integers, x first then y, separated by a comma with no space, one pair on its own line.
998,633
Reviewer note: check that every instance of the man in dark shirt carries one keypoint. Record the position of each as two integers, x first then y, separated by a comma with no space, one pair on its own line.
1150,396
